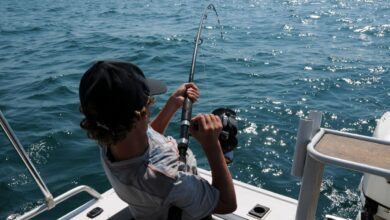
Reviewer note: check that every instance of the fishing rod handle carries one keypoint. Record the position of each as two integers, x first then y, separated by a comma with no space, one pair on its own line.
186,112
184,126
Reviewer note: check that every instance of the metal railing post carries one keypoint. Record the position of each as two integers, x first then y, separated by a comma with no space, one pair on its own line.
303,138
310,189
50,201
312,176
23,155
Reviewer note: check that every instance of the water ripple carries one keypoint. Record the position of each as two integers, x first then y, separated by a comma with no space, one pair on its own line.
277,60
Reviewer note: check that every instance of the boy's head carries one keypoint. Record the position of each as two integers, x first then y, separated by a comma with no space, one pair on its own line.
113,95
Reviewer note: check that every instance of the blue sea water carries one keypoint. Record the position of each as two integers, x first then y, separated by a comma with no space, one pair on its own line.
276,61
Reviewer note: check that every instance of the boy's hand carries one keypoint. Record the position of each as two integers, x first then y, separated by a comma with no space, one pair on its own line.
177,97
209,127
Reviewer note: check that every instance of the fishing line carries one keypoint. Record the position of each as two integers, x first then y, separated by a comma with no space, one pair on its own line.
187,105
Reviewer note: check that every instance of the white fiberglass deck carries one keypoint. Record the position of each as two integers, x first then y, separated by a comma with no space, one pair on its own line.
248,196
281,207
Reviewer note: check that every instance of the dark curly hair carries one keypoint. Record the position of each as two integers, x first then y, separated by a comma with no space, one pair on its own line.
108,135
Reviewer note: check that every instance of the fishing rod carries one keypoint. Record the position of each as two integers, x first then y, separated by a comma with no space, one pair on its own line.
187,105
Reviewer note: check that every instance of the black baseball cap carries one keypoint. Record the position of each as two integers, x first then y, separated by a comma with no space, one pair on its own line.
111,91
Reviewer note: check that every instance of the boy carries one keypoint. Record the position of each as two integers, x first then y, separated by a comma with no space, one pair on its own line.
139,161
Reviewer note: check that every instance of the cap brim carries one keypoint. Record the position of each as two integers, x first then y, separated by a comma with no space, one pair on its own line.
156,87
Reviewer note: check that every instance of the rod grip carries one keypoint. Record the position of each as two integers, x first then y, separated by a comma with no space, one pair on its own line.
187,110
184,127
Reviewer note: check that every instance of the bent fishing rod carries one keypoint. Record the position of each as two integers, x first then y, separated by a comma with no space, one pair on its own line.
187,105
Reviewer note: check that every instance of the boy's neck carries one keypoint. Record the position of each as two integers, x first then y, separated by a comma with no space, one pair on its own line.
134,145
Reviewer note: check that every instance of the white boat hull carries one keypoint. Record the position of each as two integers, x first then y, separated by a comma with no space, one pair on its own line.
375,187
248,196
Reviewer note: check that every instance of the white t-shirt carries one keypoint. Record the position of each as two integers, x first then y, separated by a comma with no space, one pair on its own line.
152,183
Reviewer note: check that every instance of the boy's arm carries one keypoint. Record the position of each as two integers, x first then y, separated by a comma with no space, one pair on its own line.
161,121
207,134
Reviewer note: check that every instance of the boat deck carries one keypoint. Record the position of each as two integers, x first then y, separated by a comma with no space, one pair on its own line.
248,197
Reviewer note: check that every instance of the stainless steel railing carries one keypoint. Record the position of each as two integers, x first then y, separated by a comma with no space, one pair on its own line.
50,202
36,211
23,155
309,163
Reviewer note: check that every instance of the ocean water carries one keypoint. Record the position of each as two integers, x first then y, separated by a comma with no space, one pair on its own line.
276,61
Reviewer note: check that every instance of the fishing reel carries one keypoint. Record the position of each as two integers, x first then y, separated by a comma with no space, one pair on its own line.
228,136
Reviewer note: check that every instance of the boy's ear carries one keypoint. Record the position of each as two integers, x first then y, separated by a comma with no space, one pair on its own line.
144,114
